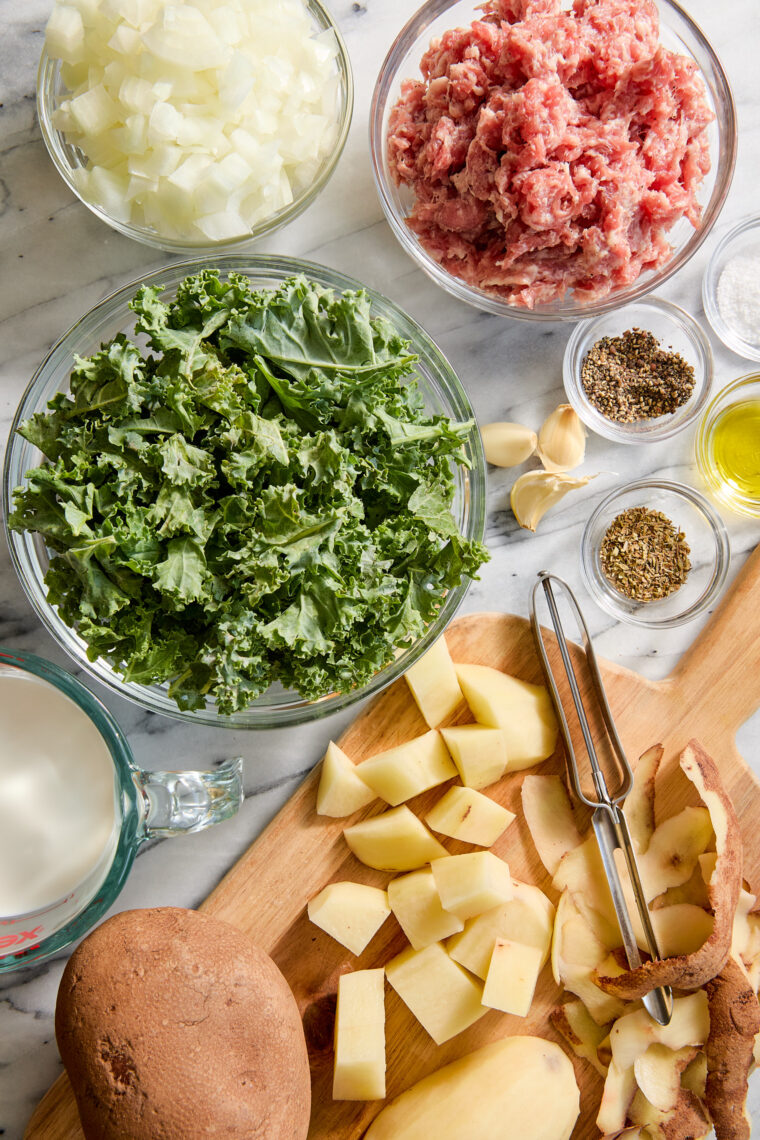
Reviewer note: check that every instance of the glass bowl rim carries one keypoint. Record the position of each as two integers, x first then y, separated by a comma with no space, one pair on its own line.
604,596
731,339
744,505
611,430
298,711
725,164
50,135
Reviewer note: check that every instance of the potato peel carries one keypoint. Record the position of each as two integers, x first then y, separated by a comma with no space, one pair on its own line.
674,849
549,816
734,1022
639,805
658,1073
573,1022
690,971
687,1121
619,1091
693,891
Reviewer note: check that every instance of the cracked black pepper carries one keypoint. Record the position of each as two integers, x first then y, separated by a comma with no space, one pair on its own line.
632,377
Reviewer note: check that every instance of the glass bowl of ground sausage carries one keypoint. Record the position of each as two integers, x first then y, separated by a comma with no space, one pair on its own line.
525,157
639,374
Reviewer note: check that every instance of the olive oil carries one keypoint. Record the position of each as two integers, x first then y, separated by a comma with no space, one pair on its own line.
736,449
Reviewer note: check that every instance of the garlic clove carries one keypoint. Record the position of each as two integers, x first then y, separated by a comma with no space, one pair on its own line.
562,440
508,444
535,492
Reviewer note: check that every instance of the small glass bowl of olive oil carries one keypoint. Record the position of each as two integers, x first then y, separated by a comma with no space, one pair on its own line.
728,445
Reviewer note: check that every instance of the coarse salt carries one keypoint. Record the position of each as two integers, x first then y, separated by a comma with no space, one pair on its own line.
738,295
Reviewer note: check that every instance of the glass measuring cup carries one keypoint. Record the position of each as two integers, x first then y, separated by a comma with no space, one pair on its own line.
146,805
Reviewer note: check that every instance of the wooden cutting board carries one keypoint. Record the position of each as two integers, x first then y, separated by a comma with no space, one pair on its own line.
710,694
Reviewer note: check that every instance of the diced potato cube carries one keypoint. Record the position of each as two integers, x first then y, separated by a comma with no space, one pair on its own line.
416,904
528,917
341,791
408,769
470,884
359,1072
512,976
393,841
523,712
434,684
479,753
470,816
351,913
441,995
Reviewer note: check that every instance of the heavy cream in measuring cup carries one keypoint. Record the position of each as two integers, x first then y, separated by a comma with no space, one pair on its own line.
57,794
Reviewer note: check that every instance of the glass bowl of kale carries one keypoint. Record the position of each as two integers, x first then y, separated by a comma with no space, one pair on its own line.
245,492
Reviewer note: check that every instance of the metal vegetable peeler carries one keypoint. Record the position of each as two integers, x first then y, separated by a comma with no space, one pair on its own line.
608,821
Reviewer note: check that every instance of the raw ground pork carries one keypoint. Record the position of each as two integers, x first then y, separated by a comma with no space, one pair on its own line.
551,149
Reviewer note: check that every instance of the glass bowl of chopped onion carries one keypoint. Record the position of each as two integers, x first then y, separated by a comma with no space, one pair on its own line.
654,553
200,127
639,374
294,501
485,178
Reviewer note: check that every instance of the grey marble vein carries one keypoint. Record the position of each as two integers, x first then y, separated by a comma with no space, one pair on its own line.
58,260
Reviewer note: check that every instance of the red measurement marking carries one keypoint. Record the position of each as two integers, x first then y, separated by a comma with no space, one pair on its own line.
17,939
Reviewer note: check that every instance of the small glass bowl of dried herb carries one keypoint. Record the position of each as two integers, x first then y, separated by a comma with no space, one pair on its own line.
654,553
639,374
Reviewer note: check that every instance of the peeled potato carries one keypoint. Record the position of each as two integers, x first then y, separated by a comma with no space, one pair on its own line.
520,1086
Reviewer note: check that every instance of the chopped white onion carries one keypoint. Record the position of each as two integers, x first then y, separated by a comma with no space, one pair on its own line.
199,118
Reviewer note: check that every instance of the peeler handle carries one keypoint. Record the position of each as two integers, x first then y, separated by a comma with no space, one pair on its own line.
612,834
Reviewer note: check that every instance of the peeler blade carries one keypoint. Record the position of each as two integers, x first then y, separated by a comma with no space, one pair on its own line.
611,833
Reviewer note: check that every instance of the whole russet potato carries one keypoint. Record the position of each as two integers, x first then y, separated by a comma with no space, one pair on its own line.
172,1024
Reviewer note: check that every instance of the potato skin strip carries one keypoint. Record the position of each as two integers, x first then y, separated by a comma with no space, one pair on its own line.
691,971
639,804
734,1021
688,1120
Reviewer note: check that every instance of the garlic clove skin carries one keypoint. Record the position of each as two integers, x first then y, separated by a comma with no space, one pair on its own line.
535,492
507,444
562,440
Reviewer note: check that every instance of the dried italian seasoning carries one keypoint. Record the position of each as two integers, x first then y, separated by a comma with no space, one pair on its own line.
644,555
632,377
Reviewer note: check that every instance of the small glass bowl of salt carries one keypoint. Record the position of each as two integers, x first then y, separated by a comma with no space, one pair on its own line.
731,289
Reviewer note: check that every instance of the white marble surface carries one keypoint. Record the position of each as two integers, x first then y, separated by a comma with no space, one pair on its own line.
58,260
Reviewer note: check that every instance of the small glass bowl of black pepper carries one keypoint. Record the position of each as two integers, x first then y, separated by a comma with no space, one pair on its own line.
639,374
654,553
